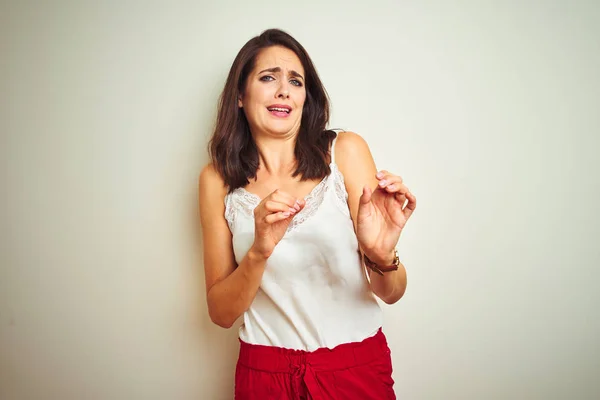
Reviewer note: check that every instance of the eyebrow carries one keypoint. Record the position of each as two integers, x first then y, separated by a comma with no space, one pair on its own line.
277,69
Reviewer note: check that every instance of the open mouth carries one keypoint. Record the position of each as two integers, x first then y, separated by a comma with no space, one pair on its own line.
280,111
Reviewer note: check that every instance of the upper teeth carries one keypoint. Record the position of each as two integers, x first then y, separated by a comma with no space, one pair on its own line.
279,109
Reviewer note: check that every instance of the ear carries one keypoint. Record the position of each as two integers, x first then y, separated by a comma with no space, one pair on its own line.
240,104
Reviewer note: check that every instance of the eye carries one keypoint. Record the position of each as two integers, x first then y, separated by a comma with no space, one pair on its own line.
266,78
296,82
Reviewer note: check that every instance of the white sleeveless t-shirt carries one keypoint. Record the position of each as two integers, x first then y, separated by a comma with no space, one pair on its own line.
314,292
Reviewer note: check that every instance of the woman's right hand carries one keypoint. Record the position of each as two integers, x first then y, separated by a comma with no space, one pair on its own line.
272,217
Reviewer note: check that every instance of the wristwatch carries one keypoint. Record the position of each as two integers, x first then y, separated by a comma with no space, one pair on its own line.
381,269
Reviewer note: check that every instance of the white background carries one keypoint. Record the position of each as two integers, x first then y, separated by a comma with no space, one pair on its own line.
488,109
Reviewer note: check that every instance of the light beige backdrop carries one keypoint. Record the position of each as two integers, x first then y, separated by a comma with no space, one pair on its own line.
488,109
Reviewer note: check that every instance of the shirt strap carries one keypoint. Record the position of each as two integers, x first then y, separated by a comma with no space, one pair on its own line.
332,150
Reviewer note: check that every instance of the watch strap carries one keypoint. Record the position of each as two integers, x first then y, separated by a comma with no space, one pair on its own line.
381,269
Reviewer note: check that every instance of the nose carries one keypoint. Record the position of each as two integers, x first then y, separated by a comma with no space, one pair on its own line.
283,91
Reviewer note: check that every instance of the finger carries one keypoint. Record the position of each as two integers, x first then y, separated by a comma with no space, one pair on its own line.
365,197
275,206
276,217
396,188
410,206
284,197
400,196
381,174
401,199
389,179
269,206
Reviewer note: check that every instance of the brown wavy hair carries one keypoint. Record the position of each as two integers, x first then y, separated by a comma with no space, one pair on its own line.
232,149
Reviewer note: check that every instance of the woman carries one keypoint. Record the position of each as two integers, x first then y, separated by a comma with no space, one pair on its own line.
290,212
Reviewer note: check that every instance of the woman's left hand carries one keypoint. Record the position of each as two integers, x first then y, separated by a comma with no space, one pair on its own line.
382,214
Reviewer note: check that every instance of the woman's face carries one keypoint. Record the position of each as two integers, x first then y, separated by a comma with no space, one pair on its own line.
275,93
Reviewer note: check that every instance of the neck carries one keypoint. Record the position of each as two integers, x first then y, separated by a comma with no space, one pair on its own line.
276,155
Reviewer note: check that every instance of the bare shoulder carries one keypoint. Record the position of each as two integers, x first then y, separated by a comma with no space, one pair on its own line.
211,188
210,176
352,153
355,162
348,141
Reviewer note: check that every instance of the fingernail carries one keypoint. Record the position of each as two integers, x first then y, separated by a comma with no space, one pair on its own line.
286,214
392,187
380,175
297,206
382,183
293,210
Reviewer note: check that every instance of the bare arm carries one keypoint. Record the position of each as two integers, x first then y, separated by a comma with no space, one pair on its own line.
230,289
356,163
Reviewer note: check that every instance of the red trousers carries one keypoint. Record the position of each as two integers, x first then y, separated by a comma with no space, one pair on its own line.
361,371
